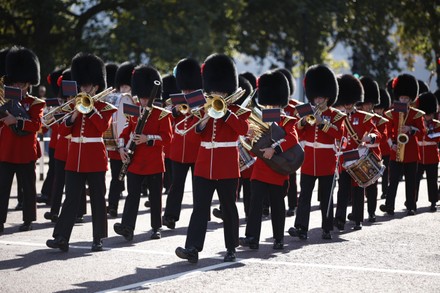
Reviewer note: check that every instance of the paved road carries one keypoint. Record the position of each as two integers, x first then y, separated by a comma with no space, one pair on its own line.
395,254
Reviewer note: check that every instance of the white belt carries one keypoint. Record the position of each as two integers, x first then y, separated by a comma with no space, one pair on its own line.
373,145
83,139
425,143
216,144
154,137
318,145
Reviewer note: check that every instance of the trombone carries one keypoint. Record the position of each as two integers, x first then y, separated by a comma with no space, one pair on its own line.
84,104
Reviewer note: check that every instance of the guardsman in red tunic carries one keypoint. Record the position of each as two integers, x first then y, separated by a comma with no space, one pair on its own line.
407,125
318,140
217,165
18,135
87,157
147,164
273,91
123,87
428,146
183,147
383,126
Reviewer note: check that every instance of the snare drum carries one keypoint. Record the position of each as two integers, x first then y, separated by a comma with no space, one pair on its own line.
111,135
367,169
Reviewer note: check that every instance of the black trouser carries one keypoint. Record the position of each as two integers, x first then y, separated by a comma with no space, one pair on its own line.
168,175
307,183
292,192
203,190
75,184
358,194
345,192
175,196
47,187
131,207
247,194
431,181
116,185
396,171
371,193
58,188
27,177
386,174
276,193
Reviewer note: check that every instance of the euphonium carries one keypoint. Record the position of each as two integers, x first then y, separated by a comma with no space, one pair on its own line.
402,139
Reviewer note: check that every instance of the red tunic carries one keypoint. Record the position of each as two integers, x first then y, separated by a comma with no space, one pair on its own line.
23,149
261,170
87,152
428,147
319,144
217,157
62,148
383,126
149,160
414,118
184,148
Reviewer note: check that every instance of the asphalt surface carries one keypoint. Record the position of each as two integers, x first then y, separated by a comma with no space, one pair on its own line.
395,254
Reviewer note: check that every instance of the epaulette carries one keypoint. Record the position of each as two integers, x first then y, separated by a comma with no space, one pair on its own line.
163,112
287,119
241,111
339,115
36,100
389,114
367,117
382,120
437,122
108,107
419,113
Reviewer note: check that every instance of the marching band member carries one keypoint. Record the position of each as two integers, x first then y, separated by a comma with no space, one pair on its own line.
87,157
318,139
217,164
428,145
183,148
273,90
383,126
147,164
18,135
405,123
123,86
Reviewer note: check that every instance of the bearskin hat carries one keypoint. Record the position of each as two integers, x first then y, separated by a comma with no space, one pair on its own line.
350,90
3,53
437,94
405,85
188,75
320,81
245,85
169,86
423,87
385,100
273,89
123,74
371,90
289,78
66,75
389,89
428,103
219,74
22,65
111,69
251,78
52,80
89,69
142,81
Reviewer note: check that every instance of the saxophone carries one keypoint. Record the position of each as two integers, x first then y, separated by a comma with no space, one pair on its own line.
402,139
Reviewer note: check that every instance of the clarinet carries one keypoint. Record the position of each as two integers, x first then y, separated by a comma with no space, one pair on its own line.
131,145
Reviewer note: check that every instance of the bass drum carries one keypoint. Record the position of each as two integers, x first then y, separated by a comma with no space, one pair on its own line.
111,135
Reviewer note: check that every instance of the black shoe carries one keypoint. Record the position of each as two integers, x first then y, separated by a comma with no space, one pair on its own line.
357,226
298,232
326,235
230,255
250,242
217,213
155,234
190,254
339,224
387,210
147,204
51,217
433,208
19,207
125,231
372,218
26,226
43,199
2,228
383,196
79,220
113,212
278,244
290,212
350,217
169,222
97,245
59,243
411,213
